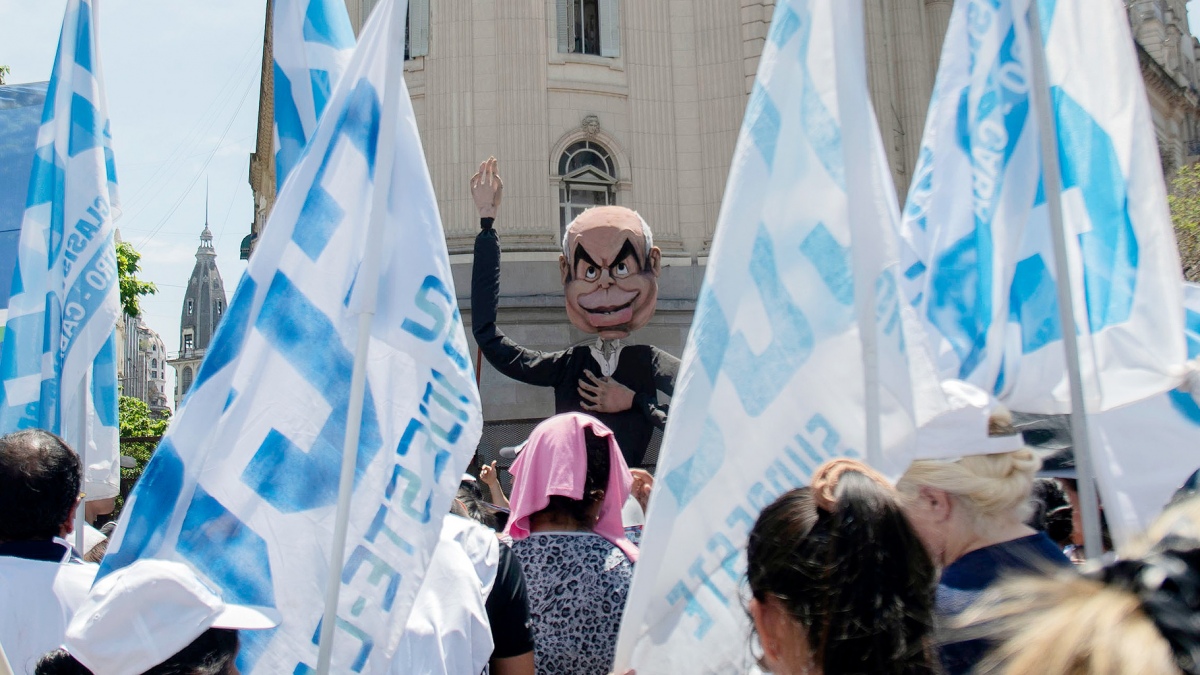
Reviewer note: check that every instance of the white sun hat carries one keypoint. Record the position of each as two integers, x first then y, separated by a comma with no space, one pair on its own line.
141,615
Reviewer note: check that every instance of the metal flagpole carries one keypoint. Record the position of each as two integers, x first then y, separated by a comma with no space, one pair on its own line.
1052,177
369,289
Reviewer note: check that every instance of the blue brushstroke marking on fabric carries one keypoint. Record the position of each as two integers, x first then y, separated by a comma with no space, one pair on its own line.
960,297
921,191
83,37
823,132
86,297
1033,304
16,367
1182,401
359,125
915,270
784,25
227,551
85,126
689,478
362,555
47,178
762,118
104,383
231,333
288,127
326,22
252,644
290,477
233,393
233,556
759,378
321,88
49,110
1110,247
156,493
110,161
832,261
1192,325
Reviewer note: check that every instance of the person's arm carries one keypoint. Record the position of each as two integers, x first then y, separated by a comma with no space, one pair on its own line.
490,476
508,613
521,364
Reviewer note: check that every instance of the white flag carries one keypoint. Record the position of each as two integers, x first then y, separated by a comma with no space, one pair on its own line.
1145,451
312,42
982,272
245,484
773,378
58,367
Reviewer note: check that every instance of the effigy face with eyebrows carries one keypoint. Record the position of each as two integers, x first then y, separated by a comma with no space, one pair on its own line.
610,270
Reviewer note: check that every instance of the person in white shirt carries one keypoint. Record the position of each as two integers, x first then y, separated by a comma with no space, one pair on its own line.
42,581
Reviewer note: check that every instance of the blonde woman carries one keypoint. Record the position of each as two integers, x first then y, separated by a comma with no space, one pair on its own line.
1138,615
970,513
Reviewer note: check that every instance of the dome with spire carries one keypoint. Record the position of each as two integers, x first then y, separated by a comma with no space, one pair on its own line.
203,305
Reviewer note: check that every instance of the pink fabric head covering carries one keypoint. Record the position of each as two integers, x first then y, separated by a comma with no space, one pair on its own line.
554,462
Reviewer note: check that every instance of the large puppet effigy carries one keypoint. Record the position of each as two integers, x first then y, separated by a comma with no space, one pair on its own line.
610,270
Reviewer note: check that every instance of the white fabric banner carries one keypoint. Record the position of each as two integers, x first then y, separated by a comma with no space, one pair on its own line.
312,42
244,486
58,367
773,378
1146,451
981,271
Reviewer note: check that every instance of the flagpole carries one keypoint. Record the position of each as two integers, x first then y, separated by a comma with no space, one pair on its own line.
369,278
1052,177
81,444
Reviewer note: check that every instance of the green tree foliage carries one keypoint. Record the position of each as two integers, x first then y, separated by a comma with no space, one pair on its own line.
4,71
131,287
137,422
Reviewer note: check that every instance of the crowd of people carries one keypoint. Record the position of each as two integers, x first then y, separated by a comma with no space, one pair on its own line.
957,568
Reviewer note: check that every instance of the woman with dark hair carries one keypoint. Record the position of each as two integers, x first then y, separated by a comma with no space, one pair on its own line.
569,483
839,580
213,653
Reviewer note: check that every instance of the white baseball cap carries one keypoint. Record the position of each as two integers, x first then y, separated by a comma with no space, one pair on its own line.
141,615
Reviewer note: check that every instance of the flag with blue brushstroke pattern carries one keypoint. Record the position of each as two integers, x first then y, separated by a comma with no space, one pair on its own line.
981,271
58,368
312,42
244,486
773,381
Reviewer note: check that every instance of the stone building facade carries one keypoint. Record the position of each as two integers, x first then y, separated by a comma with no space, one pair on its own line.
143,370
638,103
204,304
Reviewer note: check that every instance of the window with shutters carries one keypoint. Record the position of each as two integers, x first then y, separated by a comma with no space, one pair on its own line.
186,378
416,39
588,178
589,27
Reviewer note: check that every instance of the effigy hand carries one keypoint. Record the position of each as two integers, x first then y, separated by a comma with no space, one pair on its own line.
487,189
604,394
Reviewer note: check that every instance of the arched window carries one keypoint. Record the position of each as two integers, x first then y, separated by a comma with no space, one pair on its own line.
191,306
186,382
589,178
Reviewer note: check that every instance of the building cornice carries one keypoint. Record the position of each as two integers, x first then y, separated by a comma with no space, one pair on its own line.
1164,84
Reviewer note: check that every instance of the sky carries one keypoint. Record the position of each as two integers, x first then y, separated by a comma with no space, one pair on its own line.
182,84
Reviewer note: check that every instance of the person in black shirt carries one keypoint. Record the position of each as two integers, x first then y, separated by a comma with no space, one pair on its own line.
610,270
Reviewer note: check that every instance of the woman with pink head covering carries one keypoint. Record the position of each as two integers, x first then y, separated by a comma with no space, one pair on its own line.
569,483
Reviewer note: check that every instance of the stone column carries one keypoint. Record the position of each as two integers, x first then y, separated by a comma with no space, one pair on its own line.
914,81
937,20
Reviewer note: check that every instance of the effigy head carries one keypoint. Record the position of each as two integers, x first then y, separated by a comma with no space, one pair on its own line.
610,270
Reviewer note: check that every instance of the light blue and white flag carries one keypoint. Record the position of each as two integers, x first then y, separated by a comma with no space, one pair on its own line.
312,42
982,272
245,484
58,365
1146,450
800,292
